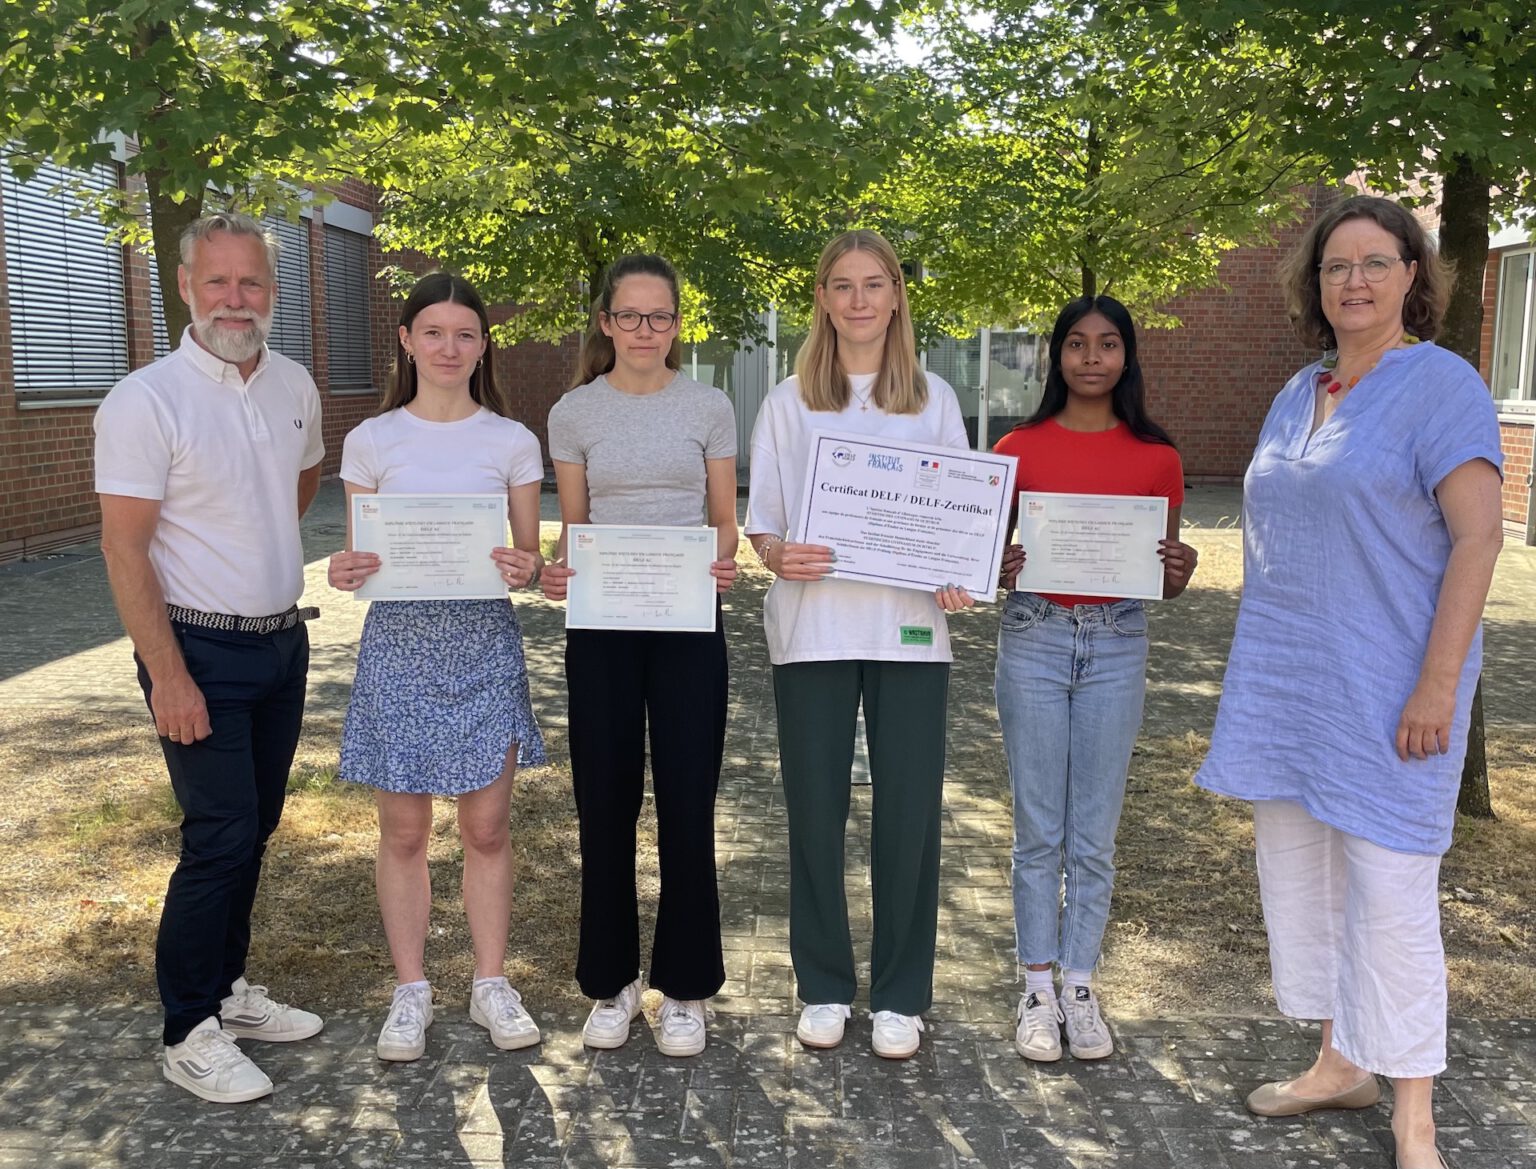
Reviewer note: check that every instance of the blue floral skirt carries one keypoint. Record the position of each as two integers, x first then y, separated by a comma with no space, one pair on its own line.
441,692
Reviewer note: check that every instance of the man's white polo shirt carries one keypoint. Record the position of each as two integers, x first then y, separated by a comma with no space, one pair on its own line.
223,456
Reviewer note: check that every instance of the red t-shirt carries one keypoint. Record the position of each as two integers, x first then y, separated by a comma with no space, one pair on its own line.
1106,462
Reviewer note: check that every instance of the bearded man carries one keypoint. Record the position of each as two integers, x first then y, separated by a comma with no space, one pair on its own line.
205,460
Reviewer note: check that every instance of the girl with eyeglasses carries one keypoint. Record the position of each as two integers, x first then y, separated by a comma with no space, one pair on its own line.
637,442
836,644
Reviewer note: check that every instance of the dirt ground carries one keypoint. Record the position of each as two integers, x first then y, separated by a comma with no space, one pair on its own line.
88,838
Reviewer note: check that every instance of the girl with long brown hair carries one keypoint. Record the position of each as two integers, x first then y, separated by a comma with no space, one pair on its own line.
440,705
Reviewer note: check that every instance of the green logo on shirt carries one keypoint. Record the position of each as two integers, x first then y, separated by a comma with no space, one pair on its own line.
916,635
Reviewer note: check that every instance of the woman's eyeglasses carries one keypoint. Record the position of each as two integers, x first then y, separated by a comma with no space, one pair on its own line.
1373,268
629,320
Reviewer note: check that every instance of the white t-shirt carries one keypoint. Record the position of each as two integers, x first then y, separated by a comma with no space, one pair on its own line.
397,453
836,620
223,456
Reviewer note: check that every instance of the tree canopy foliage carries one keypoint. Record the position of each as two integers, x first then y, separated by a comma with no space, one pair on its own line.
1077,161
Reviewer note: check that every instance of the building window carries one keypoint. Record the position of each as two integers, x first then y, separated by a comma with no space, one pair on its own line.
348,344
1513,375
69,317
291,332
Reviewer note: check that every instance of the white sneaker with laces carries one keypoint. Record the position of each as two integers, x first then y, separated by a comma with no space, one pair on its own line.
895,1036
499,1009
404,1035
208,1064
249,1014
682,1028
821,1024
607,1026
1038,1033
1087,1036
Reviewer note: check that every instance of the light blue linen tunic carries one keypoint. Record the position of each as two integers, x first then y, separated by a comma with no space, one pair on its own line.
1344,549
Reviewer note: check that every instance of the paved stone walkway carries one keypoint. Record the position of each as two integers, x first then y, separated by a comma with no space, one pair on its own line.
81,1086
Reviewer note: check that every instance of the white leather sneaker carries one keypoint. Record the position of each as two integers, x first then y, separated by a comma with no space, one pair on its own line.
682,1028
896,1036
404,1035
248,1013
821,1024
499,1009
208,1064
607,1026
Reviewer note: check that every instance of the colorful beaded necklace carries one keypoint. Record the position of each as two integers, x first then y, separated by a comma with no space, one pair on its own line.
1332,384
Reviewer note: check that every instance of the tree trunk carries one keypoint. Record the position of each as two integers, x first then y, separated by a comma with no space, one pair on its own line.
1093,171
167,220
1474,799
1464,216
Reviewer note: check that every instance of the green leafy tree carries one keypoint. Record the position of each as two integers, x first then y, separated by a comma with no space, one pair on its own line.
1066,161
249,98
1434,100
727,136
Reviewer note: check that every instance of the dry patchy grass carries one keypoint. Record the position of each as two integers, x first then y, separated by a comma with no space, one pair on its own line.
90,839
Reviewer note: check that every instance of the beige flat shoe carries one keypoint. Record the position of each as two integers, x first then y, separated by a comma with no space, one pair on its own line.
1439,1161
1277,1099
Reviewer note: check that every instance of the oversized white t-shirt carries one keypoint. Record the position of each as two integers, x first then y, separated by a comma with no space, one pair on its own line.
223,456
835,620
397,453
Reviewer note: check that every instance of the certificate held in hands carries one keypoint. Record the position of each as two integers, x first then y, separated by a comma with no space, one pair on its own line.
640,577
431,547
907,514
1092,545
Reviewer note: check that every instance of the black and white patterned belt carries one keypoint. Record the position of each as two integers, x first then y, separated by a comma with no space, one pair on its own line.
232,624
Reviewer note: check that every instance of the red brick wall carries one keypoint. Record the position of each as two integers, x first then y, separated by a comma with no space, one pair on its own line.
1516,439
1490,301
1210,381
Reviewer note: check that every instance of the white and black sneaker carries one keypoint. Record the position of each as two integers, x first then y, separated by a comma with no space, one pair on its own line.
208,1064
1037,1028
1087,1036
249,1014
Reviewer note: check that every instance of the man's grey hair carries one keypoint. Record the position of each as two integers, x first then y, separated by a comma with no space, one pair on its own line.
233,222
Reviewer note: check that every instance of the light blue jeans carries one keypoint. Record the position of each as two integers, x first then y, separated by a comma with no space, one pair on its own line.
1070,685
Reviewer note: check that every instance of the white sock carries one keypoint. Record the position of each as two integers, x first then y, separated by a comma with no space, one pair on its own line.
1072,978
479,982
404,986
1040,982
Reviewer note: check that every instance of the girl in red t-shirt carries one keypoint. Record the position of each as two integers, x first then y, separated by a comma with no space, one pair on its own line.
1071,673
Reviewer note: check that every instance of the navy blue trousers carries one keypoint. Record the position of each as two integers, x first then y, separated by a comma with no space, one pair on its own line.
230,787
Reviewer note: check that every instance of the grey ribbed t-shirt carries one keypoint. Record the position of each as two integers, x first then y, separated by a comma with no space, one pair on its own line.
644,453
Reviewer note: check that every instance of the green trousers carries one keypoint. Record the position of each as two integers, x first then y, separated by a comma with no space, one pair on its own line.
904,719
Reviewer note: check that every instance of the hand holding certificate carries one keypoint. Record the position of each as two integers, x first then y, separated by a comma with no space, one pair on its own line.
431,547
907,514
640,578
1092,545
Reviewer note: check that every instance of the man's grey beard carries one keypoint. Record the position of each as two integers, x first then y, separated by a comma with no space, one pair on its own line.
233,347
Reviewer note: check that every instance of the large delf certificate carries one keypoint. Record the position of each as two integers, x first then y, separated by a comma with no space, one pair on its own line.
907,514
641,577
1092,545
432,547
